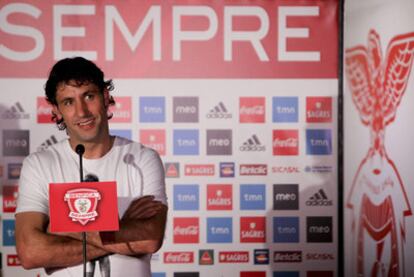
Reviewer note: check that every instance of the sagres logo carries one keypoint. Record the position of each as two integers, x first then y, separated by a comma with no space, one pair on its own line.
186,197
253,229
172,170
13,260
10,198
233,256
219,197
219,112
285,109
44,111
199,170
13,171
261,256
287,256
286,197
206,256
152,109
253,170
16,143
122,110
319,198
252,110
82,204
253,197
219,229
285,142
319,229
318,109
178,257
252,144
186,230
185,109
219,142
252,274
48,142
154,139
377,196
15,112
227,169
318,142
285,229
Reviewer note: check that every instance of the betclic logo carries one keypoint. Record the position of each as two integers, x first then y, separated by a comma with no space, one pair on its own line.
319,229
253,170
253,229
121,110
154,139
185,109
16,143
318,109
285,143
219,197
10,198
287,256
252,110
186,230
286,197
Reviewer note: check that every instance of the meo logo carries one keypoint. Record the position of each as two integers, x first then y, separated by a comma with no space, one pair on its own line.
286,229
318,142
252,110
186,142
286,197
219,229
186,197
151,109
154,139
186,230
285,109
252,197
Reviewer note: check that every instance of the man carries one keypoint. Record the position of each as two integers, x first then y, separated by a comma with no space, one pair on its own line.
80,99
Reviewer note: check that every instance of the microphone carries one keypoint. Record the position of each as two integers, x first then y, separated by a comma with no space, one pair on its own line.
91,178
80,149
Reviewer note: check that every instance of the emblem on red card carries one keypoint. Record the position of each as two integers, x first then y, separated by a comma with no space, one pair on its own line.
82,204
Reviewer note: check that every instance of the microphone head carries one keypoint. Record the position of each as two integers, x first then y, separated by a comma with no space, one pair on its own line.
91,178
129,159
80,149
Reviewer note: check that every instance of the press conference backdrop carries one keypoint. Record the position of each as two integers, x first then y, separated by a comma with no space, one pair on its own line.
239,99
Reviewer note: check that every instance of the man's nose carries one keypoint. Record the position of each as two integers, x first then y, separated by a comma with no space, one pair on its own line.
81,108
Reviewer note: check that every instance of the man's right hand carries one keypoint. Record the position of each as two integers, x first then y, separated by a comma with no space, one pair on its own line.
142,208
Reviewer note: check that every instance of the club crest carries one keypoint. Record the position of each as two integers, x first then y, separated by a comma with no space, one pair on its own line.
82,204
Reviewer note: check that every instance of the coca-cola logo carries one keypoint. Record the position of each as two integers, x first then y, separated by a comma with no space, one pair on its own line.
252,110
285,142
186,230
178,257
44,111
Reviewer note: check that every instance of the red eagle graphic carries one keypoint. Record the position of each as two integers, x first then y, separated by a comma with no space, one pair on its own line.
377,197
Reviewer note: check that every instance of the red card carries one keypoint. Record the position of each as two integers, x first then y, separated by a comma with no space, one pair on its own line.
82,207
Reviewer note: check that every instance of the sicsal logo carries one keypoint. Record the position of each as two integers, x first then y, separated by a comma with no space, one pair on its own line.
219,197
252,229
186,230
285,142
44,111
199,170
178,257
154,139
233,256
121,110
318,109
252,110
10,198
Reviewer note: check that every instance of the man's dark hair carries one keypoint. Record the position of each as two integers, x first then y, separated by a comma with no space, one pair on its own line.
82,72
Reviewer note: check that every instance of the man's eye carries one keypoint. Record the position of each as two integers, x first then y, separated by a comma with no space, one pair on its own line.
67,103
89,97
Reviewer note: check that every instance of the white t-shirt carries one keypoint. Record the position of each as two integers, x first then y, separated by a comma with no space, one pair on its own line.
138,171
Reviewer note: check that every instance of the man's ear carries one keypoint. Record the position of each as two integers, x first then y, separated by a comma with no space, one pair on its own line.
56,112
106,98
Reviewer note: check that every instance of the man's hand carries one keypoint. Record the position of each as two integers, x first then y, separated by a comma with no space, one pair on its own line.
142,208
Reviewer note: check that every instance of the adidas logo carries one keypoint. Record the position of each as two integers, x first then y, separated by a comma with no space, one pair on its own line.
219,111
15,112
252,144
52,140
319,199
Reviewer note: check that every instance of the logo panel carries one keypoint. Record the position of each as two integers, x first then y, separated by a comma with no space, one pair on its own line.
252,274
252,110
186,142
16,143
319,229
319,198
186,230
285,142
185,109
285,229
186,197
319,273
15,112
252,144
253,169
219,112
121,110
172,170
178,257
227,169
8,232
199,170
219,197
318,109
154,139
285,109
261,256
206,256
10,198
44,111
13,171
13,260
253,197
186,274
219,229
287,256
219,142
286,274
253,229
286,197
151,109
233,256
318,142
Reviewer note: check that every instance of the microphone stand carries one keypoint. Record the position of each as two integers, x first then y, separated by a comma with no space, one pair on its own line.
80,149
